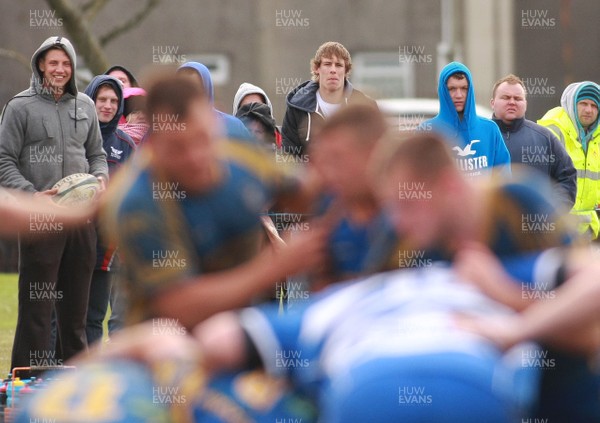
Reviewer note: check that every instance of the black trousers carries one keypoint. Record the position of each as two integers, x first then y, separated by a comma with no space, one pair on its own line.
100,290
55,270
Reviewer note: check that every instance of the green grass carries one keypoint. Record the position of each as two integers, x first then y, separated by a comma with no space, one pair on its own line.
8,318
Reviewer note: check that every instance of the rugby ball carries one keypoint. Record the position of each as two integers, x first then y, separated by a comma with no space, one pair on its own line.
76,189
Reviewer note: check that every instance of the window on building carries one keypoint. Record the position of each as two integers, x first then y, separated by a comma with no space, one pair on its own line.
383,74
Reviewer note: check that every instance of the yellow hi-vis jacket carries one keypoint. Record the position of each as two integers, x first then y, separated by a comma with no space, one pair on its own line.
586,163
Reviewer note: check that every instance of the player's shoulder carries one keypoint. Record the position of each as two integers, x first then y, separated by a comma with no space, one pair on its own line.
131,189
249,157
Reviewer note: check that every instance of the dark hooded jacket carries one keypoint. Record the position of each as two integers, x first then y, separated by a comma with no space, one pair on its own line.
261,113
132,80
43,140
476,141
302,115
118,145
234,128
535,146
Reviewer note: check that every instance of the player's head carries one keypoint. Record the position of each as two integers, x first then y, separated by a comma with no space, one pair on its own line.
416,181
509,99
331,65
343,147
183,132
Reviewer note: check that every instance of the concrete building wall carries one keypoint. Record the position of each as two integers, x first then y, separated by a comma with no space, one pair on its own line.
256,35
558,42
262,46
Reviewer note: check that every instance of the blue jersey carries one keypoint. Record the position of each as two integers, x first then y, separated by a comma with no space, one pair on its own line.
358,249
392,328
167,235
124,391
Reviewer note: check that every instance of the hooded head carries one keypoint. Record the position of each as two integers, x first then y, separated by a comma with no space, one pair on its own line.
203,73
126,71
573,94
258,113
37,77
92,89
448,111
247,89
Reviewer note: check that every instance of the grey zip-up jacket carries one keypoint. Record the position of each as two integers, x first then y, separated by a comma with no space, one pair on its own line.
43,140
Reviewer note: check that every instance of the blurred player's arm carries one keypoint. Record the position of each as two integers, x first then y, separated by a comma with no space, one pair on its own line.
17,209
476,264
222,342
219,344
200,297
569,320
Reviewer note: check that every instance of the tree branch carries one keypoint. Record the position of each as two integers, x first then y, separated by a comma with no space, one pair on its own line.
14,55
129,24
92,8
79,31
87,5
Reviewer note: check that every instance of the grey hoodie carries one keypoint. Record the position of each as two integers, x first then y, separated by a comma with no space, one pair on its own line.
245,89
43,140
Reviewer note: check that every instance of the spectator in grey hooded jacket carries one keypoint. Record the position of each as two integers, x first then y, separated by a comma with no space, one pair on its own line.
48,132
248,93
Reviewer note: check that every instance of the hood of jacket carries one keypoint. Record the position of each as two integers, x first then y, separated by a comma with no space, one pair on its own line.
246,89
37,77
134,82
569,103
205,75
448,113
304,96
259,112
91,90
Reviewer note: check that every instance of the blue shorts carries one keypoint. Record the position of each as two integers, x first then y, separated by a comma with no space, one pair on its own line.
440,388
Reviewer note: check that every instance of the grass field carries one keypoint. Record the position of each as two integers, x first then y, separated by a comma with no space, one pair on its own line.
8,318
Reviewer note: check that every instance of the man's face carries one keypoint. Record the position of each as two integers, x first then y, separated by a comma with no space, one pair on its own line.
121,76
341,146
587,111
107,104
56,70
258,130
332,73
185,150
415,206
509,103
458,90
252,98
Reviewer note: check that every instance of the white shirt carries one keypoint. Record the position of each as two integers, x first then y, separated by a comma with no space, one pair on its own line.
326,109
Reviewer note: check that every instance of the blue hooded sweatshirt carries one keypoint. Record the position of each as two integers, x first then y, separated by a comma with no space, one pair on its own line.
118,145
475,141
234,128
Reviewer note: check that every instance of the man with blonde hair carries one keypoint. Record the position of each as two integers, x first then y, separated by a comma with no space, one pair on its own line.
311,102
